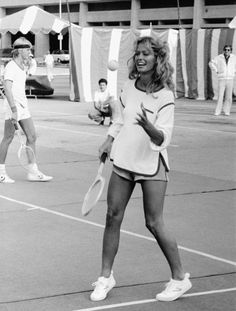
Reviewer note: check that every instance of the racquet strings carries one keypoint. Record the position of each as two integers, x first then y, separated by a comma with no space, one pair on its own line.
92,196
25,153
26,156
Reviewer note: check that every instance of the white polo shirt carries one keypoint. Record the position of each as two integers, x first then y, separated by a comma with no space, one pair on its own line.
17,76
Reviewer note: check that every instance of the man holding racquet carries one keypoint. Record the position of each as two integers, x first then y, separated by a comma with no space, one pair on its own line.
16,110
137,143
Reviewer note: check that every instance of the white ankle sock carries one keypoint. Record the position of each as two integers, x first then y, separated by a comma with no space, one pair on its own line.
2,169
33,167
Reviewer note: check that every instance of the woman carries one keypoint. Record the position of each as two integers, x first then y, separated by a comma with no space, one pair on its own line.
16,110
137,143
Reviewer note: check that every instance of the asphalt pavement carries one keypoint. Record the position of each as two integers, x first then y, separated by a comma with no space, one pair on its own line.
50,254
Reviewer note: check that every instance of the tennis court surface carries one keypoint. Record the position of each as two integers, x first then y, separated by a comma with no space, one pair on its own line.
50,254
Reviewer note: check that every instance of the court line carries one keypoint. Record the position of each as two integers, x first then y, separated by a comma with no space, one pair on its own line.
206,114
176,126
204,130
138,302
93,134
80,132
154,300
63,114
86,116
36,207
176,112
70,131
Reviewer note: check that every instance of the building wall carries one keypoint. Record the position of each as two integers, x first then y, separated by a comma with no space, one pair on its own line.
159,14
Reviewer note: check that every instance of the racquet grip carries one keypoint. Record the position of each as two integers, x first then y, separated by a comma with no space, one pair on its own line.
103,157
16,126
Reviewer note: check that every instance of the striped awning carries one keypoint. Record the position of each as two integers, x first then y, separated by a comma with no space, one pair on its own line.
232,24
33,19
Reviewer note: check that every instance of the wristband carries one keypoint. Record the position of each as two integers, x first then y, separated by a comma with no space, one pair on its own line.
13,109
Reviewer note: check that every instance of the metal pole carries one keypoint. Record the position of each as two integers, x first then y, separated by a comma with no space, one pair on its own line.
68,11
178,9
60,35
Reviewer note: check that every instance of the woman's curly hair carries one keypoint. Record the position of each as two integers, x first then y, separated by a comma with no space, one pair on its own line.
162,75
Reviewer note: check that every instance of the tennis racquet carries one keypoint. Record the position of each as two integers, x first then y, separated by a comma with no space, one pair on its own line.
95,190
25,153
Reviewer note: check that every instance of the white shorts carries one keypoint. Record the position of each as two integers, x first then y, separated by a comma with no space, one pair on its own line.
22,111
161,174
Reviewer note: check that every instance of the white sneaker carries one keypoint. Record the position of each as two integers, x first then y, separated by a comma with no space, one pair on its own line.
38,176
102,287
5,179
174,289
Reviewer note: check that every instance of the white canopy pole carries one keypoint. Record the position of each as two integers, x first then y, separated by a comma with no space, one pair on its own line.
60,37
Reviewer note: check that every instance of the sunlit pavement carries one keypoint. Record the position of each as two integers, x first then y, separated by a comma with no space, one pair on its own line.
58,70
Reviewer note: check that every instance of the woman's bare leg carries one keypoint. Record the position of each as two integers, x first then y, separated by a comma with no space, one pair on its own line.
119,192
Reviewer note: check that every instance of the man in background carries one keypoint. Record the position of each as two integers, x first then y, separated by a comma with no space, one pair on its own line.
103,104
225,67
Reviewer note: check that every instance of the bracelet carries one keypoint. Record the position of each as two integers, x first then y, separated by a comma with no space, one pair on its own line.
13,109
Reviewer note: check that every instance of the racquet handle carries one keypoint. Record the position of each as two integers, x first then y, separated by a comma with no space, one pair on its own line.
103,157
16,126
103,160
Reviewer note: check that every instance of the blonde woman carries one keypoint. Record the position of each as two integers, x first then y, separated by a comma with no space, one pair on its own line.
137,143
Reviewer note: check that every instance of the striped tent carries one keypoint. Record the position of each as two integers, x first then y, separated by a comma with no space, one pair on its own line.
33,19
195,49
92,48
191,51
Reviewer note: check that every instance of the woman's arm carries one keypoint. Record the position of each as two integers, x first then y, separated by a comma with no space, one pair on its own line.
113,130
106,146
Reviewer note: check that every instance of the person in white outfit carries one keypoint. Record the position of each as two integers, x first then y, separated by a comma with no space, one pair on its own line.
225,67
104,105
137,144
17,111
31,65
49,61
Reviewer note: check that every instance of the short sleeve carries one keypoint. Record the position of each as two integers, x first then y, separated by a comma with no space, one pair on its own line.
9,72
165,120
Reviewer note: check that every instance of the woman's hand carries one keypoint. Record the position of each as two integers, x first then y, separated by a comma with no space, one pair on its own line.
155,135
106,147
142,119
